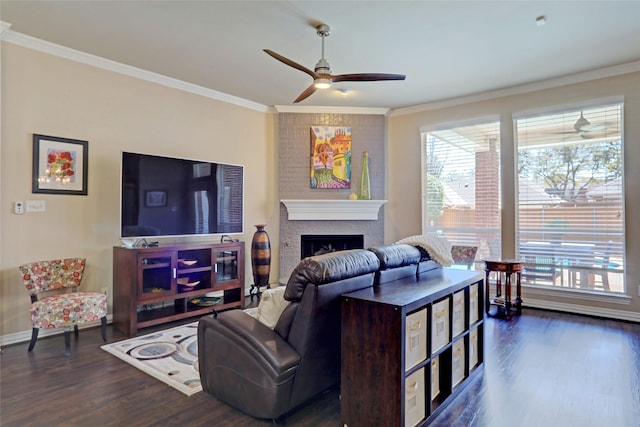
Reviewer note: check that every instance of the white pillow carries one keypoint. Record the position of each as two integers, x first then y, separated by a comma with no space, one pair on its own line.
271,305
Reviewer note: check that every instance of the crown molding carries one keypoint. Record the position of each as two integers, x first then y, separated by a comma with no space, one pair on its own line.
10,36
330,110
586,76
4,26
116,67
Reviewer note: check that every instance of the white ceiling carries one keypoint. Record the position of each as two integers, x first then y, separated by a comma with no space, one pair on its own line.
447,49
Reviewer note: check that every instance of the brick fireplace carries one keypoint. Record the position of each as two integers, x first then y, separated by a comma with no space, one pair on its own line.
335,214
291,233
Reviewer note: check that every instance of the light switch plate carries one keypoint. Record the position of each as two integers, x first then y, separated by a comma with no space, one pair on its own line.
36,206
18,208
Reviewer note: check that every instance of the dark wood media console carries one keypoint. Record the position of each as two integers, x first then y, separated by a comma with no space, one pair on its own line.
410,346
161,284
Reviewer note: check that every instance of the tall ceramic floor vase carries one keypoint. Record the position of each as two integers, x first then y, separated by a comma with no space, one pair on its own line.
260,258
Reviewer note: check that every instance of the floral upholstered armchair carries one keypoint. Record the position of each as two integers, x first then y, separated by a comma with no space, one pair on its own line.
61,310
464,255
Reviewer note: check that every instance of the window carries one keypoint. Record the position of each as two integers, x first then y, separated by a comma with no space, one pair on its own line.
461,186
570,204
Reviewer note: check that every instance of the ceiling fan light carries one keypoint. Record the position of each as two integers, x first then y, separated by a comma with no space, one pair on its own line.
322,83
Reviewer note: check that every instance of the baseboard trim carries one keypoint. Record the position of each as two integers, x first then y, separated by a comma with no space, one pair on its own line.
25,336
583,309
548,301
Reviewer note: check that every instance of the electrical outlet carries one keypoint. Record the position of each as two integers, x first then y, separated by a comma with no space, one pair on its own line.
105,291
18,208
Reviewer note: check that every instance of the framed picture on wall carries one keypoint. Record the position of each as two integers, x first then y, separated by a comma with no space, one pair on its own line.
330,157
59,165
155,198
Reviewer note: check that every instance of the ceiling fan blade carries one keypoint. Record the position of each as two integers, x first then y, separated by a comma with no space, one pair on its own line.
599,128
291,63
592,128
366,77
304,95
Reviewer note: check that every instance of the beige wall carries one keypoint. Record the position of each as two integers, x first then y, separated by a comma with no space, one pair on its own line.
53,96
403,214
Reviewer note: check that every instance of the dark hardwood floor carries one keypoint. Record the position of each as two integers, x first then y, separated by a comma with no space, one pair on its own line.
541,369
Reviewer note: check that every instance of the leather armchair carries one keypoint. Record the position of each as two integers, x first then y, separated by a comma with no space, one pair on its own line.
266,373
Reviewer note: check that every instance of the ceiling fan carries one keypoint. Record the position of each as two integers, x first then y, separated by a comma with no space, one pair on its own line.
322,77
583,127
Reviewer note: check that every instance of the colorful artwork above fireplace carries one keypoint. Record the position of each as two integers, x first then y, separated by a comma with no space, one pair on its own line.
330,157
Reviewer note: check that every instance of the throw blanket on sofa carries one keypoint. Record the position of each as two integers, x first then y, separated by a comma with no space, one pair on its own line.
271,305
438,248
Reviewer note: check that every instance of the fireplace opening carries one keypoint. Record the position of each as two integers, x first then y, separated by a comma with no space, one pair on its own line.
318,244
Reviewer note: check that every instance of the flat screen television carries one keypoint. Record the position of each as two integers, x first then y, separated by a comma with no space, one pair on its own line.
168,196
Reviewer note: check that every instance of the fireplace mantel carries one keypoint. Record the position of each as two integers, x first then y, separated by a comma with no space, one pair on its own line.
332,210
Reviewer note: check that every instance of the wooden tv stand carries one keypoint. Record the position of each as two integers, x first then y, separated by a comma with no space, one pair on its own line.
161,284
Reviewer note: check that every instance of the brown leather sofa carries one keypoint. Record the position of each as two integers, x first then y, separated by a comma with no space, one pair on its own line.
396,262
266,373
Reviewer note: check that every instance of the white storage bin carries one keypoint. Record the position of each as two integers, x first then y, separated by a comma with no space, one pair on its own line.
458,313
473,348
414,405
435,377
440,325
458,361
416,338
473,304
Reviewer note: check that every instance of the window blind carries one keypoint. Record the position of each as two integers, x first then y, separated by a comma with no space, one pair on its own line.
570,193
461,185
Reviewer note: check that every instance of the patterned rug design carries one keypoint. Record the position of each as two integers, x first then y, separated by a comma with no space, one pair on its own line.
170,356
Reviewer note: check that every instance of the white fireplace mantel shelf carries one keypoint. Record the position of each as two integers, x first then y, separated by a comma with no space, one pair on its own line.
332,210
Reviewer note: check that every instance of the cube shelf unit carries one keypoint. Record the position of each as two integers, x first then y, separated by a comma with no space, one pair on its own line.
410,346
161,284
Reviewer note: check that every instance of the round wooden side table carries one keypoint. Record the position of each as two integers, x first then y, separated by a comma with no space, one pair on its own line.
506,267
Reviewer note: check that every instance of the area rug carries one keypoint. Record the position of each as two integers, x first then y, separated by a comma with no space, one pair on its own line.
170,356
